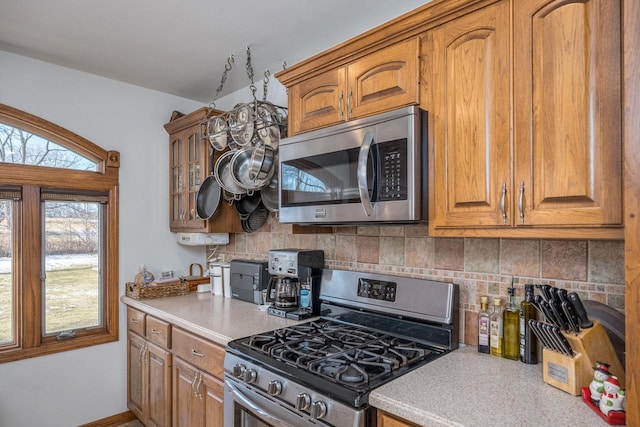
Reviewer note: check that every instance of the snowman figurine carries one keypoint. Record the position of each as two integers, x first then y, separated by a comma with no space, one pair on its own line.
596,387
612,398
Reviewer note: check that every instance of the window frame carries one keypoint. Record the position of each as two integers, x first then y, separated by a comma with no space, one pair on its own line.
28,340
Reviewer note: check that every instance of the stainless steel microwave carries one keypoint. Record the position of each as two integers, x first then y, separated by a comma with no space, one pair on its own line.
371,170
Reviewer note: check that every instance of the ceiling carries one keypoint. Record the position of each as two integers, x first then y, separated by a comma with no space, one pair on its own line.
181,47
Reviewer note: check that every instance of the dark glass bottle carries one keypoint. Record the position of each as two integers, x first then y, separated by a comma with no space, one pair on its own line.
484,321
528,340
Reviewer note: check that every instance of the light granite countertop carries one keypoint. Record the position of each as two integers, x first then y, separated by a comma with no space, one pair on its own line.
462,388
467,388
212,317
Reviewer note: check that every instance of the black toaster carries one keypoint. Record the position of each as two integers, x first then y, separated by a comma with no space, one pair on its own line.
248,279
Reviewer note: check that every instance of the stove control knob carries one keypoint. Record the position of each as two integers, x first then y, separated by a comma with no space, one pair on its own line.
274,388
303,401
238,370
318,409
249,376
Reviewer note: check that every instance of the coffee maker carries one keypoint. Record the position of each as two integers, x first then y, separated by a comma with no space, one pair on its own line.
294,287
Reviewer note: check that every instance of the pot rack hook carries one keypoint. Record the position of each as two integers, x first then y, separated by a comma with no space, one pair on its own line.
250,74
284,64
227,67
265,83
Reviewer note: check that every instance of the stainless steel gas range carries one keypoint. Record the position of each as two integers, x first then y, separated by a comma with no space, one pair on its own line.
373,328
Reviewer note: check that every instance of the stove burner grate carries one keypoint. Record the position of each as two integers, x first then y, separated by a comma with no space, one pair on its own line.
352,356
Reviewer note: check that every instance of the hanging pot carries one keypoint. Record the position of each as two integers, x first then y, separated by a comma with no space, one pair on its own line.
262,161
247,205
240,165
209,195
224,178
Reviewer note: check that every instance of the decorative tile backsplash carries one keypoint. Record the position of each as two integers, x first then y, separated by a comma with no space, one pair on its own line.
592,268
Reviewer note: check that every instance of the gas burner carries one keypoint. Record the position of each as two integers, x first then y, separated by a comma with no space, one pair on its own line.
300,353
343,373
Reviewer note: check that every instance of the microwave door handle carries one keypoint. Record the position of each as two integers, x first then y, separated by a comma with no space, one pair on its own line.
361,173
259,409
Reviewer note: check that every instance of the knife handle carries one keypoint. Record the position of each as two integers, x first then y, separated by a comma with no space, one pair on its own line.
546,292
572,318
562,293
581,312
556,309
563,342
546,309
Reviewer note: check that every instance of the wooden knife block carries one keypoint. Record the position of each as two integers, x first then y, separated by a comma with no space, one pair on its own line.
570,374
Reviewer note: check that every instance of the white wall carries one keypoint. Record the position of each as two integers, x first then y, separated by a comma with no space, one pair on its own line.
80,386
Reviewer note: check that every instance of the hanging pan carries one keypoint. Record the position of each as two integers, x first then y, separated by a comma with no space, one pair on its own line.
209,195
256,219
269,193
247,205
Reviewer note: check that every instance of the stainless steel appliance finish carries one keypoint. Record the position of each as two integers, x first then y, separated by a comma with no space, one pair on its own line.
373,329
248,279
365,171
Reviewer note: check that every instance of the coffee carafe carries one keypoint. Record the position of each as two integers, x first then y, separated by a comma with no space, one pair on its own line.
283,292
294,288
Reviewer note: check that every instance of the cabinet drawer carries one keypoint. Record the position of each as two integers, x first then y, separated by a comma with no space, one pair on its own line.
199,352
135,321
158,332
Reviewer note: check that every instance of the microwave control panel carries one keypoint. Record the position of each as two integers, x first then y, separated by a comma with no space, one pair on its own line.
392,170
377,289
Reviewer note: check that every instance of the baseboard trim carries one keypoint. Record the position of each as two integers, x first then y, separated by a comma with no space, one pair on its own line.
112,421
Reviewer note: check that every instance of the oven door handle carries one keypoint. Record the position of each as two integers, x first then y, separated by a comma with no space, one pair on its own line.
361,173
257,404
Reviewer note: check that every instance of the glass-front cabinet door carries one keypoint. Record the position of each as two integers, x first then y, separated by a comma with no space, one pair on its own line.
187,153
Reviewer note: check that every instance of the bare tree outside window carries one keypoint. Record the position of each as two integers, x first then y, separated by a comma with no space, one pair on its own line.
20,146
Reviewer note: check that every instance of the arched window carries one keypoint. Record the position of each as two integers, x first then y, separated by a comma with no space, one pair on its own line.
58,239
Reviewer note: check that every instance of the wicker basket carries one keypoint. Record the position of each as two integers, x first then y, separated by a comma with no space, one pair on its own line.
137,291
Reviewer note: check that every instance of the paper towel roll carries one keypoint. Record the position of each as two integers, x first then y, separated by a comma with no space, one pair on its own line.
226,279
215,270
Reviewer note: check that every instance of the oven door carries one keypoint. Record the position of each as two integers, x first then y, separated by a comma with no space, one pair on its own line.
244,407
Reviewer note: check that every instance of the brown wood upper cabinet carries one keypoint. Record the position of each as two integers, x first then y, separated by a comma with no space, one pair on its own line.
380,81
189,166
560,168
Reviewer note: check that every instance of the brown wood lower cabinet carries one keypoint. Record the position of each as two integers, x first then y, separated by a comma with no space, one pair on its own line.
149,389
175,378
197,397
388,420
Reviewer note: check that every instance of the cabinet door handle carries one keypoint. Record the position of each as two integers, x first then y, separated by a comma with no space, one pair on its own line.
134,320
503,198
143,352
198,387
156,331
340,104
193,383
521,202
349,112
196,353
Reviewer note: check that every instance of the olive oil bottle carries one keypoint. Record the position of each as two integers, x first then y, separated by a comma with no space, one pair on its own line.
511,328
495,328
484,322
